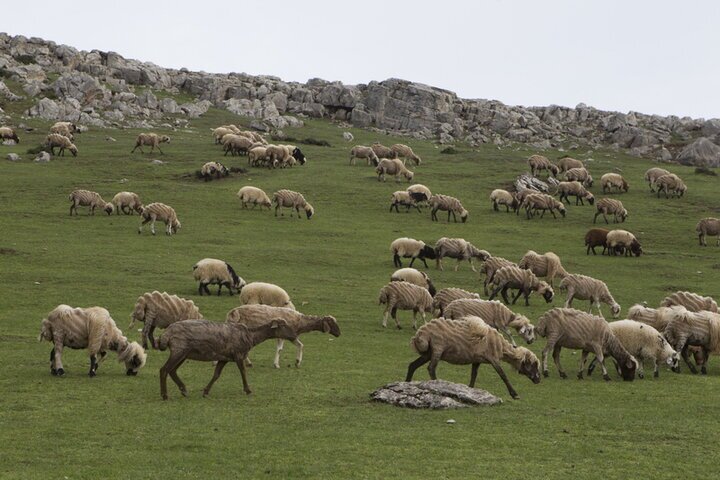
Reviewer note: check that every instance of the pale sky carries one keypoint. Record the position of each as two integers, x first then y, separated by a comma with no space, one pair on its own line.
648,56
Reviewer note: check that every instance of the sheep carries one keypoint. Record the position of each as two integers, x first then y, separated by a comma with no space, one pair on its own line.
290,199
538,162
157,309
254,136
160,211
494,314
405,152
403,198
523,280
419,192
580,175
213,168
127,202
610,205
448,204
670,183
490,266
381,151
86,198
691,301
404,296
360,151
459,249
254,195
211,271
211,341
257,315
237,144
698,329
92,328
708,226
566,163
547,265
613,180
260,293
644,343
658,318
624,242
416,277
570,328
220,132
503,197
232,127
410,248
653,174
257,155
541,201
64,128
7,133
55,140
152,139
470,341
395,167
283,155
583,287
596,237
575,189
447,295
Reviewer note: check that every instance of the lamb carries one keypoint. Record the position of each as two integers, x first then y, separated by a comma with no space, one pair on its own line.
257,156
258,315
490,266
254,195
92,328
65,129
615,207
405,152
613,180
86,198
708,226
214,168
575,189
449,204
290,199
410,248
541,201
503,197
158,310
523,280
55,140
127,202
470,341
547,265
260,293
160,211
494,314
404,296
459,249
395,167
237,144
381,151
360,151
653,174
567,163
624,242
583,287
416,277
538,163
596,237
699,329
570,328
211,341
419,192
579,175
403,198
691,301
211,271
150,139
7,133
447,295
670,183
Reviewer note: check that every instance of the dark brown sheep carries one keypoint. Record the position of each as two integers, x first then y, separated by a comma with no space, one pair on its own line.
596,237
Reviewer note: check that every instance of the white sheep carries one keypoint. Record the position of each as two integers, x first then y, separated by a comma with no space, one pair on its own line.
290,199
670,183
405,247
596,291
708,226
609,205
7,133
360,151
150,139
211,169
653,174
158,310
220,132
416,277
503,197
66,129
622,241
613,180
449,204
579,175
459,249
419,192
447,295
405,152
403,198
55,140
237,144
127,202
547,265
393,166
404,296
494,314
211,271
265,294
164,213
254,195
257,156
86,198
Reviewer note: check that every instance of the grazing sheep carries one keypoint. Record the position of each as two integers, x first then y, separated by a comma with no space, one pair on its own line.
55,140
66,129
653,174
157,309
416,277
216,169
405,152
260,293
583,287
698,329
211,271
449,204
691,301
503,197
381,151
127,200
419,192
284,155
570,328
7,133
523,280
160,211
579,175
708,226
290,199
567,163
410,248
490,266
547,265
672,184
404,296
257,155
538,163
470,341
360,151
541,201
86,198
609,205
90,328
459,249
220,132
254,195
211,341
613,180
150,139
596,237
622,241
258,315
447,295
403,198
658,318
574,189
237,144
393,166
494,314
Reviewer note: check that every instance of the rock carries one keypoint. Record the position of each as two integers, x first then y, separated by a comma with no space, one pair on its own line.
42,157
110,139
665,155
259,126
433,394
13,157
701,153
533,183
9,95
157,162
348,137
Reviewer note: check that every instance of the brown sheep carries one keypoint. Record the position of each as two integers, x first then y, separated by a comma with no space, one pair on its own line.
596,237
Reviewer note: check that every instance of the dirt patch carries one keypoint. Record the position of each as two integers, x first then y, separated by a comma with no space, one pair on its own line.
8,251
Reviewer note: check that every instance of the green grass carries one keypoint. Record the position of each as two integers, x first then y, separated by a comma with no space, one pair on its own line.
317,421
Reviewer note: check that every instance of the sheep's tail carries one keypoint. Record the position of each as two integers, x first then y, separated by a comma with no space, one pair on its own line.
162,343
45,331
420,342
541,327
383,297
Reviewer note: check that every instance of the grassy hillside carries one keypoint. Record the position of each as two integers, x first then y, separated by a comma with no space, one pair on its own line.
316,421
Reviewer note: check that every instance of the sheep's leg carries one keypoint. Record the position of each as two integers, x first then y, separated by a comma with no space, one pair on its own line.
521,291
496,291
414,325
276,209
421,360
393,313
449,212
457,265
548,346
605,217
243,374
170,365
597,304
706,356
556,359
552,211
220,285
472,266
299,355
571,295
150,332
473,374
161,152
509,386
53,371
141,225
583,360
601,358
145,334
434,360
93,366
218,370
385,316
59,370
438,263
506,330
398,263
279,345
152,226
592,366
424,263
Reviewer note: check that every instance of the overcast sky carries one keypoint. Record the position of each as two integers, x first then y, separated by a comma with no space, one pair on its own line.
648,56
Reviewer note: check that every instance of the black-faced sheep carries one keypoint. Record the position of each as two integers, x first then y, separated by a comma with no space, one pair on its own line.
410,248
7,133
622,241
211,271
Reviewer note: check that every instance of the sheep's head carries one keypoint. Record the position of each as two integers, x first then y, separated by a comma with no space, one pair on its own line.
623,214
590,198
529,365
15,137
164,139
464,215
309,210
635,248
682,189
109,207
588,181
73,149
409,175
175,226
554,170
330,325
673,357
139,209
615,310
625,186
627,368
561,209
299,156
527,330
546,291
427,252
481,254
134,356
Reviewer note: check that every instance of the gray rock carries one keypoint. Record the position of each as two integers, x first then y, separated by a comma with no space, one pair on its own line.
433,394
701,153
348,137
665,154
157,162
13,157
42,157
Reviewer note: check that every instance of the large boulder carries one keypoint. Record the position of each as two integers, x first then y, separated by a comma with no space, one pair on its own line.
701,153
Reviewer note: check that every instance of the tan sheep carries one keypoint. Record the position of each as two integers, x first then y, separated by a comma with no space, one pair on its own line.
513,277
404,296
503,197
254,195
290,199
582,287
381,151
55,140
447,295
237,144
567,163
64,129
607,206
541,202
691,301
672,184
449,204
360,151
708,226
613,180
538,163
579,175
490,266
220,132
494,314
394,167
574,189
416,277
653,174
257,156
459,249
158,310
127,202
261,293
547,265
86,198
150,139
405,152
694,329
164,213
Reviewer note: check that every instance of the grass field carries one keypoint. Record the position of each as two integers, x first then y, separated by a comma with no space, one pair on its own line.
317,421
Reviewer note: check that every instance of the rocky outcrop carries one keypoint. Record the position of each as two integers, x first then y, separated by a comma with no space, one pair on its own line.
433,394
701,153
